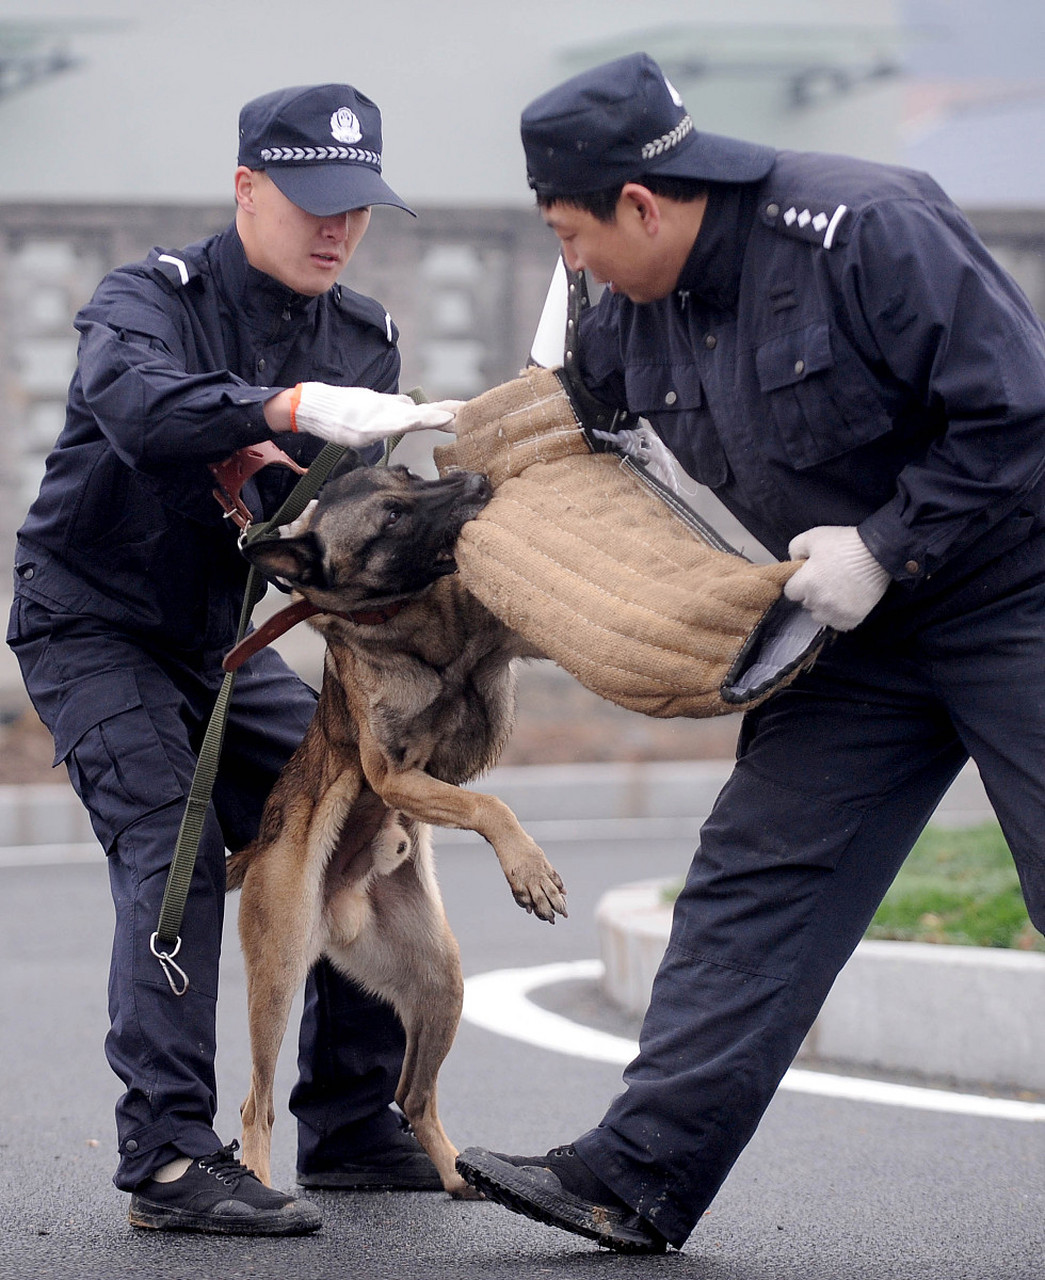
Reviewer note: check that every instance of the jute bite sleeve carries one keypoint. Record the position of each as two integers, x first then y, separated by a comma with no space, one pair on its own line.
598,567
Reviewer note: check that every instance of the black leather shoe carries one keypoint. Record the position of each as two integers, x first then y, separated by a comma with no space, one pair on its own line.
397,1164
220,1196
560,1190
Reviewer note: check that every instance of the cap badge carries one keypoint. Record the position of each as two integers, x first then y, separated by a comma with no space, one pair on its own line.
344,125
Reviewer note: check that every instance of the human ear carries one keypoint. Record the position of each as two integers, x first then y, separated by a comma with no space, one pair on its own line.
643,203
244,186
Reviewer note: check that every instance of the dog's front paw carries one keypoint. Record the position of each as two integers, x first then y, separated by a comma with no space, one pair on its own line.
538,889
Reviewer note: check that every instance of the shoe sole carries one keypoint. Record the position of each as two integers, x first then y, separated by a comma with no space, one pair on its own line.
496,1184
161,1219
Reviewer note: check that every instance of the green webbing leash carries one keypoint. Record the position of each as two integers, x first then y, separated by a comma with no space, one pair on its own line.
166,941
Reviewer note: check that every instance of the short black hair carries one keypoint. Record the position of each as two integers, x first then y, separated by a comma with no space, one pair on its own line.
602,204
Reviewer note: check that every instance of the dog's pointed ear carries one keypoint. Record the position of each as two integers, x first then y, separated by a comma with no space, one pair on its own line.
296,561
350,460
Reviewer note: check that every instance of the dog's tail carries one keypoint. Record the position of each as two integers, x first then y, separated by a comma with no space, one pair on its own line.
236,867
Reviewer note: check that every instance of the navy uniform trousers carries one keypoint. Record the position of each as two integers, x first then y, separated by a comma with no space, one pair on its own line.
836,777
128,723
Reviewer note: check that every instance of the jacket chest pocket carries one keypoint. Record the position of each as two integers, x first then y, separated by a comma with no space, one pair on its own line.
672,399
821,401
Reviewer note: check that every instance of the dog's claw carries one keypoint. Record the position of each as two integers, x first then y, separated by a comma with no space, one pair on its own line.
545,905
537,886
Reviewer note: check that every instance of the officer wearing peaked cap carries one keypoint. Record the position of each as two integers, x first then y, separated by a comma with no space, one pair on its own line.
128,588
828,346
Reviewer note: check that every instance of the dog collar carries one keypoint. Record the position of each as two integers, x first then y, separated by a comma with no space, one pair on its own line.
275,626
372,617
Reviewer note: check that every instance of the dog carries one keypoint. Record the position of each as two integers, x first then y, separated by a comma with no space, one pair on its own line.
417,697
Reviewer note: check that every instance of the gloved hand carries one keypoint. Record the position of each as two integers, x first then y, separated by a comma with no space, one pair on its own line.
357,416
840,582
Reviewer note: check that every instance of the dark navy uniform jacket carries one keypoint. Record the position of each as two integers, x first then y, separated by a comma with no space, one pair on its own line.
842,350
125,527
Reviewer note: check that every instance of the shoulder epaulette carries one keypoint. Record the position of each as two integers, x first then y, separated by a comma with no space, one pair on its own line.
368,310
806,221
179,270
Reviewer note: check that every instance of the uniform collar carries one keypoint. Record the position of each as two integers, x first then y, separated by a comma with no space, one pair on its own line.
712,270
260,298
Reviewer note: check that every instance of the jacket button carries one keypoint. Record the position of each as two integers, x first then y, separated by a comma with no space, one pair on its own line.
261,366
800,366
912,566
772,210
130,1145
711,342
670,398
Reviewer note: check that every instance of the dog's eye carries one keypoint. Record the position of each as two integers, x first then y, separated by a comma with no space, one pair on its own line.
393,516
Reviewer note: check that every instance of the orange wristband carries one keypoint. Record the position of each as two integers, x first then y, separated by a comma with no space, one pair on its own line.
295,400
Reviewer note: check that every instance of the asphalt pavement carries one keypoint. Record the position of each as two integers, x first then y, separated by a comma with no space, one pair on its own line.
829,1189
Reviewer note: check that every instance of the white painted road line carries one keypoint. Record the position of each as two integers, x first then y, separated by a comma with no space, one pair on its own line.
498,1002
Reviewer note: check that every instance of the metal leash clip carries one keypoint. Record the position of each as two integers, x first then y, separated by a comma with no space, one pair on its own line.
166,959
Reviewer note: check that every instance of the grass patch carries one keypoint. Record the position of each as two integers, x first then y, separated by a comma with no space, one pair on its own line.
959,887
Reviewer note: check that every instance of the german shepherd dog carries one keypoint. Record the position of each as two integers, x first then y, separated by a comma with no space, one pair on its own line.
417,696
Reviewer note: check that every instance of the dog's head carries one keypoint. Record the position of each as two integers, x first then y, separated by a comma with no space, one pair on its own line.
375,535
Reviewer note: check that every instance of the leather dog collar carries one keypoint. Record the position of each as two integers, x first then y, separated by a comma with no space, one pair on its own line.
289,616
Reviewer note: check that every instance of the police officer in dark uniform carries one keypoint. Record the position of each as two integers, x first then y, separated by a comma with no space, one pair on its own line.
828,346
128,586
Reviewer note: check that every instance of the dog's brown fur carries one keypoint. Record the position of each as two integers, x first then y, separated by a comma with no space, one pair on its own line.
409,708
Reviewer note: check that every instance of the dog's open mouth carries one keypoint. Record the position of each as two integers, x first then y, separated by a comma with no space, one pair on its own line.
477,493
444,562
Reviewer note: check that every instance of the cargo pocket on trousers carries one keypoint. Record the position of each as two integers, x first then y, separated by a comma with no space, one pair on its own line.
115,757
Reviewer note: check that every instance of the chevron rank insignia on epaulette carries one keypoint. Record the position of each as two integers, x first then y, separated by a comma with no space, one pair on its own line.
805,222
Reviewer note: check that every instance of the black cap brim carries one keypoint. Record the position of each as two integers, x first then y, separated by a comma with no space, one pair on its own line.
326,189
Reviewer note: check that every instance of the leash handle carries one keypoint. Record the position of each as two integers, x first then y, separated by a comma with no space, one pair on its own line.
234,472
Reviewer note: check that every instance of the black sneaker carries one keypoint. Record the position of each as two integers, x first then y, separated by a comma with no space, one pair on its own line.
217,1194
559,1189
398,1163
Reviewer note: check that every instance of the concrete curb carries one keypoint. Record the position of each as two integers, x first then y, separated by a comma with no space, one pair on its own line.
963,1014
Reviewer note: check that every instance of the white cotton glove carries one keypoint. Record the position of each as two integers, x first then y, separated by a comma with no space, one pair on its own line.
357,416
840,582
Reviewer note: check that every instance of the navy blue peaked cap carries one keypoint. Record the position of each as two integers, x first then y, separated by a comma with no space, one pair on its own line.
618,121
320,144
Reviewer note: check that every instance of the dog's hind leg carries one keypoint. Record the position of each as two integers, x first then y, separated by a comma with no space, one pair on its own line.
277,922
408,955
